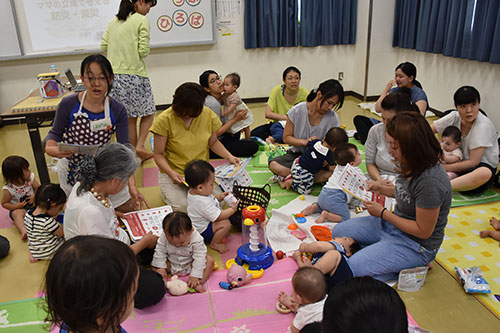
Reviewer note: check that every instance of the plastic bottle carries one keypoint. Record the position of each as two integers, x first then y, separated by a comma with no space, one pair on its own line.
53,68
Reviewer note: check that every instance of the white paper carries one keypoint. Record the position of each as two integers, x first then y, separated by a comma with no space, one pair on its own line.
78,149
353,181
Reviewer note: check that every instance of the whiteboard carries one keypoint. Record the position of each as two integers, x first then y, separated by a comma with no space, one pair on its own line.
52,27
8,27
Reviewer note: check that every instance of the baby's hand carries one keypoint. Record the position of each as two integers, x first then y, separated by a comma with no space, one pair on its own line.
235,206
221,196
161,271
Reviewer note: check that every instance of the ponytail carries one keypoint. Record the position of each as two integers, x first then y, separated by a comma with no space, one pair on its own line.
126,7
329,88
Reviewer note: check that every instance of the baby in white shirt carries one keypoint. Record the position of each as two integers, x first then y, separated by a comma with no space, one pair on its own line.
181,250
450,143
307,299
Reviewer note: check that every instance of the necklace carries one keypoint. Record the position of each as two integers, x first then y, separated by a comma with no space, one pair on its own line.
103,199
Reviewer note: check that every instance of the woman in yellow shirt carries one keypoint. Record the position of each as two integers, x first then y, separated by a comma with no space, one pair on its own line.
184,132
281,99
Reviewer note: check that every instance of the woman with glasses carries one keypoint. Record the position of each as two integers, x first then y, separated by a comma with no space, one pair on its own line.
214,86
91,118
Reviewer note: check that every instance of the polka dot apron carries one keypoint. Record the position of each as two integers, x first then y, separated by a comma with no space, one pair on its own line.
84,131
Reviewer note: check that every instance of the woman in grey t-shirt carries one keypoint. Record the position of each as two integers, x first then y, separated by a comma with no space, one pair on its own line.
379,163
308,121
412,234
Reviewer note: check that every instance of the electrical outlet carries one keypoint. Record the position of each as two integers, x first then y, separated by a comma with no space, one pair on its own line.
341,76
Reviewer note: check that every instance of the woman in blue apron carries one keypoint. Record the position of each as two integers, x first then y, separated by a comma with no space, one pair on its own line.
89,119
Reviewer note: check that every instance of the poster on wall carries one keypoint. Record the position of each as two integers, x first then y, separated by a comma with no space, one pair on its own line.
75,25
228,13
181,22
57,24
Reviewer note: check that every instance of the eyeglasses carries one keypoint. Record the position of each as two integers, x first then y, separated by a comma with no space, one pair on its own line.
218,78
94,80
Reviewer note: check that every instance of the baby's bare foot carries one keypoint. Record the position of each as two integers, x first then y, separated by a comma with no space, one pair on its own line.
311,209
31,258
495,223
219,247
323,217
484,233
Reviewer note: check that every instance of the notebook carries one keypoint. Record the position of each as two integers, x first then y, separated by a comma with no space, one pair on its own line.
75,86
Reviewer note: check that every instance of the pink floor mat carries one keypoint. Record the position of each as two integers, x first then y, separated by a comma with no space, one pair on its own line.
250,308
5,220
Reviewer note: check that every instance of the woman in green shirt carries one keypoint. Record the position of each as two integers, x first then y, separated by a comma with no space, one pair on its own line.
281,99
126,43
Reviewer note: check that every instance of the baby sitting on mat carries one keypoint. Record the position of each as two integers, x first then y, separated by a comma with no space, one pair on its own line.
181,250
333,201
318,156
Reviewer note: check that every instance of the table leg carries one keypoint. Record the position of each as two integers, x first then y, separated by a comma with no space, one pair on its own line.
36,145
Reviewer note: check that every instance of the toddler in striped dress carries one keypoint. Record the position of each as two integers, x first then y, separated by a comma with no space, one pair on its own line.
45,234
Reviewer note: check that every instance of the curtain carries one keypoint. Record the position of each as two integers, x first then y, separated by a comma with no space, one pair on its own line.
485,40
271,23
328,22
405,23
443,26
451,27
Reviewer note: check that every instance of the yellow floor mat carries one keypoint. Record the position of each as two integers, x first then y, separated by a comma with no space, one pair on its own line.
462,247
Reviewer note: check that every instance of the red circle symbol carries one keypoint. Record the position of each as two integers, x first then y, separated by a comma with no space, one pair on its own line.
178,3
196,20
164,23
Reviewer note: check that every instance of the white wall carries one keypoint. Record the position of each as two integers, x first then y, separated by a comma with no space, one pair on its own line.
261,69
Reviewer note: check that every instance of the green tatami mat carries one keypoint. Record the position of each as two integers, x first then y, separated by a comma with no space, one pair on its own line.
23,316
460,200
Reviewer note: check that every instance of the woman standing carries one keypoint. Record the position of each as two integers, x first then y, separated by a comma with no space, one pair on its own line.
184,132
479,143
281,99
412,234
126,42
90,212
90,118
214,86
308,121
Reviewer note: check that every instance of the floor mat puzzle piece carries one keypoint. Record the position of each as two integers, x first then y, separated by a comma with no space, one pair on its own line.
23,316
462,247
460,200
250,308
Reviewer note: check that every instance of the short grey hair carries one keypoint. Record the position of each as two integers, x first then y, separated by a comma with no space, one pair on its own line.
112,161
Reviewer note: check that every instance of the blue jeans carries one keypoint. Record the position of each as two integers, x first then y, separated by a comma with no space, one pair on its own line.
334,201
385,251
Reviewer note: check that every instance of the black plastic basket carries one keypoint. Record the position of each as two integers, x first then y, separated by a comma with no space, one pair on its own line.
248,195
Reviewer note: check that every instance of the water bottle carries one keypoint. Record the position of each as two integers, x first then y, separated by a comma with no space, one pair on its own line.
53,68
